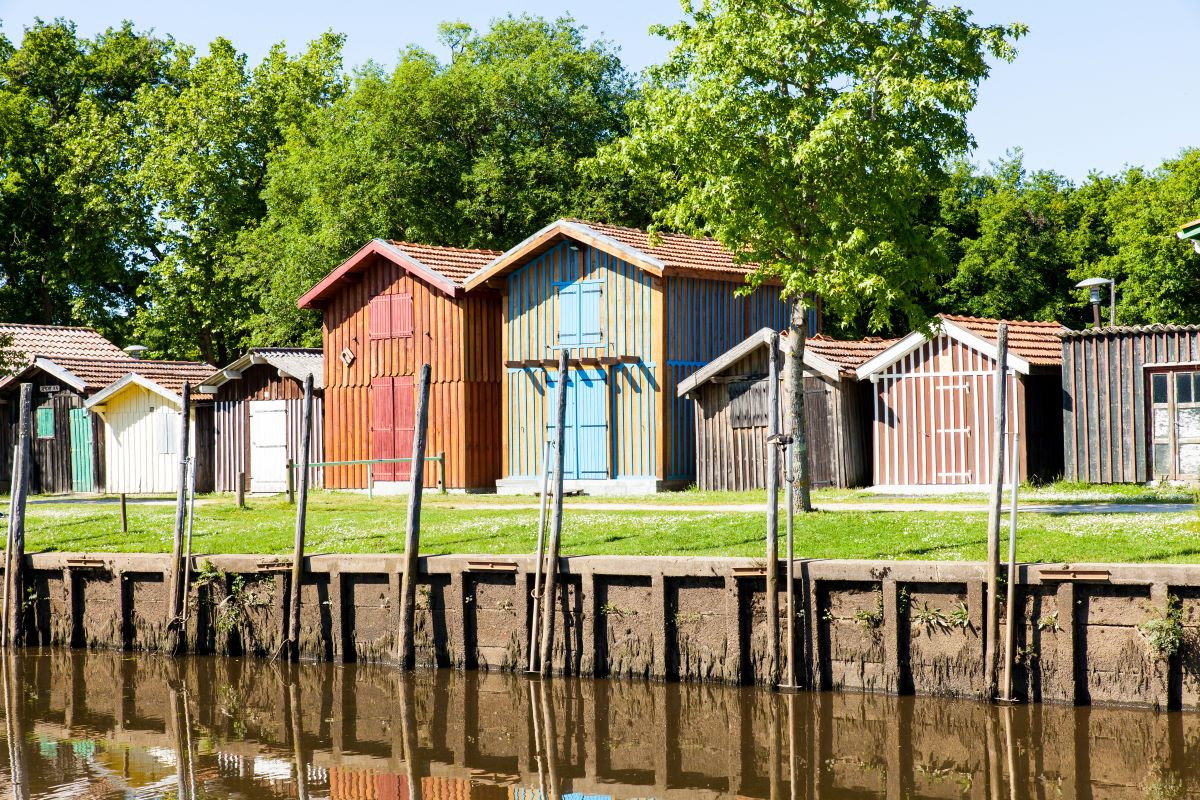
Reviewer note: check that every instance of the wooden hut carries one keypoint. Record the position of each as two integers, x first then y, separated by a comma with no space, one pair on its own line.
141,413
934,398
637,317
388,309
1131,404
66,365
258,408
731,396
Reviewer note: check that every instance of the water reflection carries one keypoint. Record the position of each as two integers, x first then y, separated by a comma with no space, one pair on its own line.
117,725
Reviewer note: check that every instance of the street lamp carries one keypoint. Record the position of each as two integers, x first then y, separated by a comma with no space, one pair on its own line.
1093,285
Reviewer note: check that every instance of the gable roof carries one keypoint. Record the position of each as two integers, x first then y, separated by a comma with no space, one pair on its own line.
445,268
293,362
833,358
56,347
165,378
671,253
1030,344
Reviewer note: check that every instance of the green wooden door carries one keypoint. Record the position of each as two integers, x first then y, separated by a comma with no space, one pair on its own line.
82,479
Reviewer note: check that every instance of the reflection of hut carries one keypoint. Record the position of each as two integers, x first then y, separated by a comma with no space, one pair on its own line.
730,394
934,400
1131,404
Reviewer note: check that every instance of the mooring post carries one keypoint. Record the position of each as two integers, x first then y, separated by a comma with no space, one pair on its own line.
992,619
540,554
124,515
412,534
291,482
174,608
551,587
241,490
301,519
1010,607
12,504
773,510
15,555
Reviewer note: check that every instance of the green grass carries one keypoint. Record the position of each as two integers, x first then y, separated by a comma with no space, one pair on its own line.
348,523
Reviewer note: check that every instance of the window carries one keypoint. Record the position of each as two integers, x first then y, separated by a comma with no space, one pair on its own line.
165,432
45,422
390,316
580,313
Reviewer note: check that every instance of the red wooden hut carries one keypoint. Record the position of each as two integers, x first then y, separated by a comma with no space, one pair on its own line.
389,308
934,398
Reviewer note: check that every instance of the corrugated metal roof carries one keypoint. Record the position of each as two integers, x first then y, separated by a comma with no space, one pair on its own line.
1127,330
1039,343
296,362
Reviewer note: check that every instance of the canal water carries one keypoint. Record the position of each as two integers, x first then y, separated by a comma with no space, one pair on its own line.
118,725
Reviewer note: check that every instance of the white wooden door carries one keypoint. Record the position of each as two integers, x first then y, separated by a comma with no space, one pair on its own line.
268,445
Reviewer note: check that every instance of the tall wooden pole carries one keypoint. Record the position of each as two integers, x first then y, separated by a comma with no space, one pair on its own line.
790,681
8,542
992,621
175,607
301,520
14,578
773,510
412,534
560,450
1010,606
541,554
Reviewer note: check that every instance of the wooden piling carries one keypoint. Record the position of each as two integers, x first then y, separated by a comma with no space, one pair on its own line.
12,500
1010,605
291,482
241,490
992,619
551,588
773,511
124,515
412,534
174,606
14,577
301,519
540,558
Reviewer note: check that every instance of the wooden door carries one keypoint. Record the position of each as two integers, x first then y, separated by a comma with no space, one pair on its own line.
586,432
268,446
392,423
818,423
82,474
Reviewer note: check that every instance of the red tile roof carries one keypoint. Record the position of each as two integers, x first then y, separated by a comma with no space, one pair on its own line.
676,251
456,263
58,341
170,374
1039,343
847,353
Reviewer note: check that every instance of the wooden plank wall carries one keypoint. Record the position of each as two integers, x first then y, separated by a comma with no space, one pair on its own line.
630,328
134,464
918,417
458,337
1104,398
705,318
50,470
232,403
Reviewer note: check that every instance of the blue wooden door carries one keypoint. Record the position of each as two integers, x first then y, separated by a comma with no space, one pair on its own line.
586,432
82,478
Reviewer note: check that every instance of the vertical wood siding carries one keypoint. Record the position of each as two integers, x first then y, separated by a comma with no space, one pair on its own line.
704,319
628,328
134,464
458,337
50,469
1105,410
934,417
232,411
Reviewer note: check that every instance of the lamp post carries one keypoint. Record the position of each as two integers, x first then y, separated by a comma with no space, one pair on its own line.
1093,286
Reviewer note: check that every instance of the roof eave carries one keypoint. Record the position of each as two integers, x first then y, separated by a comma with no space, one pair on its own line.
134,379
315,296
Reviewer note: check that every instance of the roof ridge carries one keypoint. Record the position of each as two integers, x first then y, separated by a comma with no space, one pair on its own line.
645,232
50,327
451,247
997,321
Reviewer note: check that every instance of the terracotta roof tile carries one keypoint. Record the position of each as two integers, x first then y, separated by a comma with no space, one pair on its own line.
847,353
456,263
58,341
100,372
675,250
1039,343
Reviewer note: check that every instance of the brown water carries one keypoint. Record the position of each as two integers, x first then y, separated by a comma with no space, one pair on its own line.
113,725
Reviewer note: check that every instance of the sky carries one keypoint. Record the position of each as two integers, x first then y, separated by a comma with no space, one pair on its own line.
1098,85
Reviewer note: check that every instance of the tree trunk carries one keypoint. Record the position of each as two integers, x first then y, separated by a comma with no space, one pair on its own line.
801,476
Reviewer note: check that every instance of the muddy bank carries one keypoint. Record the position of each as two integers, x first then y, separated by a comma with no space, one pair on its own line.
900,627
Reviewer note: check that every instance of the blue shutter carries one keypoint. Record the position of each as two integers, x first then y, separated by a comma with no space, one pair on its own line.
591,312
568,314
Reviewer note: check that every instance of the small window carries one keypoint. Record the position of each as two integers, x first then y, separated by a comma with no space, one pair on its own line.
1158,387
1183,387
45,422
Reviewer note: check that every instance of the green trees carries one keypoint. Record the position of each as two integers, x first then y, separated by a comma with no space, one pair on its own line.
478,151
804,136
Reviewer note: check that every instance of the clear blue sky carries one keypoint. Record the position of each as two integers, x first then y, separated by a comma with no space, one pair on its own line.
1098,84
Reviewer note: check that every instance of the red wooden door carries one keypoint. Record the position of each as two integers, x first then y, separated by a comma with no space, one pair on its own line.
404,398
383,428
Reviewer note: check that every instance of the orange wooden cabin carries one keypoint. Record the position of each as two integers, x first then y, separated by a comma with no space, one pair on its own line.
389,308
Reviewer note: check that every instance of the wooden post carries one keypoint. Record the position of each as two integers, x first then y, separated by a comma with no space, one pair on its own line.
773,511
441,471
241,490
412,534
14,584
124,515
301,518
992,619
174,607
291,482
1010,609
551,587
541,543
8,541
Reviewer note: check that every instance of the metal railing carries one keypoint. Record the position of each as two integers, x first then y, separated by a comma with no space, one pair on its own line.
439,459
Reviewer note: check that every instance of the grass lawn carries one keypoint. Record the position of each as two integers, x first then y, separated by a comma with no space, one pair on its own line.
348,523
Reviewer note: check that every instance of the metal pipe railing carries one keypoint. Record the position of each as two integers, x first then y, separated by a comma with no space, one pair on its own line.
439,459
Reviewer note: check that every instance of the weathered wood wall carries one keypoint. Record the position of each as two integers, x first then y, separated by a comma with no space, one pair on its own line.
1104,391
459,337
935,417
50,470
232,412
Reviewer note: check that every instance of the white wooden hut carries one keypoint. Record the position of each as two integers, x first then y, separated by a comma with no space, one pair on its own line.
141,413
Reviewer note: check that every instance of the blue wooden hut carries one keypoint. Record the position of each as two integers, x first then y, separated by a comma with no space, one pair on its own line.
638,317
